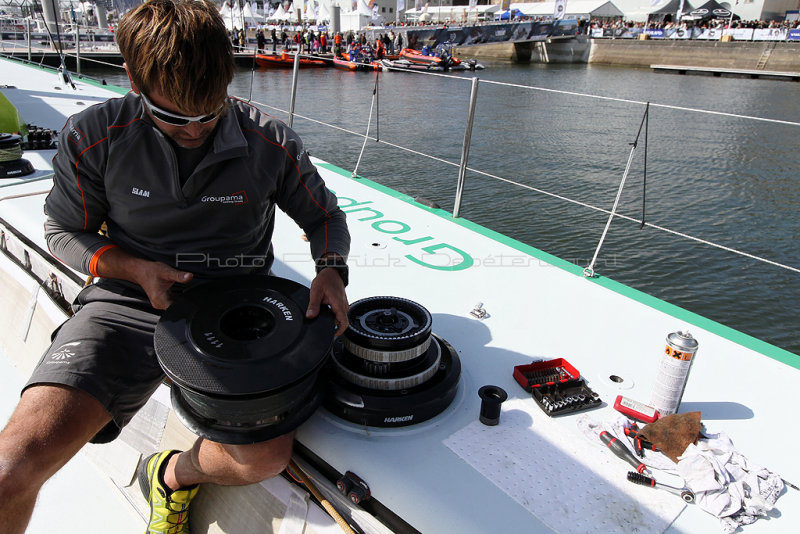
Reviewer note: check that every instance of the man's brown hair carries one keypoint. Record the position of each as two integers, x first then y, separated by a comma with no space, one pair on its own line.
181,49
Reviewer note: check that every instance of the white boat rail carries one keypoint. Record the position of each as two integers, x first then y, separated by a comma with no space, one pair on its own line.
463,167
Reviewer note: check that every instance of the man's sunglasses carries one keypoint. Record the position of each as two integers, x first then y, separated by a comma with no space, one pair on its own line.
179,120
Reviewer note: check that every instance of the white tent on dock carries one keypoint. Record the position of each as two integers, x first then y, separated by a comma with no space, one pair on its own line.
291,14
580,9
358,18
325,11
452,13
236,16
279,14
250,13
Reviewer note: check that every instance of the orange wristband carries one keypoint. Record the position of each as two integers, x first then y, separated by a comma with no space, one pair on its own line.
96,258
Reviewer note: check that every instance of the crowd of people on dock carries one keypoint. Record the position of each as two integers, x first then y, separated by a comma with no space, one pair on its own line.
310,41
724,23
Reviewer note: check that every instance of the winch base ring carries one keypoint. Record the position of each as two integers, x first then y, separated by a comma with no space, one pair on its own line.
16,168
387,409
245,435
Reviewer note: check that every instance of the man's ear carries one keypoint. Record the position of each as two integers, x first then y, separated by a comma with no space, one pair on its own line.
134,87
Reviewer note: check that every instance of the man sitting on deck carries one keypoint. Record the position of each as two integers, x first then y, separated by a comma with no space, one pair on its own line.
157,166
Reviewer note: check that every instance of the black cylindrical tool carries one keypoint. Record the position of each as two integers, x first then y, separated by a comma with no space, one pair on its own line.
491,399
620,450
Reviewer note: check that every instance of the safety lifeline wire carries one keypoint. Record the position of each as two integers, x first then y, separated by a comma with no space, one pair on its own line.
65,76
585,95
630,101
543,191
369,123
536,189
640,221
589,271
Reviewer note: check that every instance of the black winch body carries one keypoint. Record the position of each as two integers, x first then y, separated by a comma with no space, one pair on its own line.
12,164
389,369
242,357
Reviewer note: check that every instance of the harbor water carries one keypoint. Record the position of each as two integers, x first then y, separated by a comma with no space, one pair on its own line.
716,176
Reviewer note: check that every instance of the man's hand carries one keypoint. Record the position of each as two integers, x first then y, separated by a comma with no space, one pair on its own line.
157,281
327,288
154,277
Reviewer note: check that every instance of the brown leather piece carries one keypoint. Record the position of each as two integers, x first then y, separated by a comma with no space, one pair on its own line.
673,433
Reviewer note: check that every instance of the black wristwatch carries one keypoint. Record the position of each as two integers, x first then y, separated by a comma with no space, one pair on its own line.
335,262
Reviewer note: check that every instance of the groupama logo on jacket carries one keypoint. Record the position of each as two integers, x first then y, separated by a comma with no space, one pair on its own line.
238,198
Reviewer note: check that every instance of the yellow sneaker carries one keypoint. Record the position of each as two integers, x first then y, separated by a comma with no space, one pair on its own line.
169,510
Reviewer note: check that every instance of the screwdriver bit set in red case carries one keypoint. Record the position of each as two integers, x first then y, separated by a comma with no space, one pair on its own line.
556,386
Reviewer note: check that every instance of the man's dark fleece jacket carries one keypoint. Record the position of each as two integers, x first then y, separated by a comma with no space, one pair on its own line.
114,166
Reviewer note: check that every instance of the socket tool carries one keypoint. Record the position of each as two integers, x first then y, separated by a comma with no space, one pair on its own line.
637,478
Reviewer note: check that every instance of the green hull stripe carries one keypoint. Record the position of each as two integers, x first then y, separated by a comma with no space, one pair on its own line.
720,329
87,81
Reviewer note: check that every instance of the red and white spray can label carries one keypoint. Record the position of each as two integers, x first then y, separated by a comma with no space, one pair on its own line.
673,372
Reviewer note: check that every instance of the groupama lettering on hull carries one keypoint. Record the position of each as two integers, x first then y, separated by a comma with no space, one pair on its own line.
425,250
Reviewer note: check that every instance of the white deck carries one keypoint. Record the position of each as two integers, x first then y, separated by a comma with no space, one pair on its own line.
537,311
540,308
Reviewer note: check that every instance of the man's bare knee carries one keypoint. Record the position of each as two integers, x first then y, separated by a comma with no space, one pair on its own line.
49,425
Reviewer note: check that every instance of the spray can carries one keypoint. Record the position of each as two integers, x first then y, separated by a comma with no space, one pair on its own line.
673,372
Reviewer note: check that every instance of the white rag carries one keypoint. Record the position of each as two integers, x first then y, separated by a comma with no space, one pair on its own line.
726,484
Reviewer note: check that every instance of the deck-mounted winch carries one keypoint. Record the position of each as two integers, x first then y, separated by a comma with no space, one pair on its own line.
243,359
389,369
12,164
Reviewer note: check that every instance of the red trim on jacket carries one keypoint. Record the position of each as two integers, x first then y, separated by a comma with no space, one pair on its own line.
77,172
299,179
78,182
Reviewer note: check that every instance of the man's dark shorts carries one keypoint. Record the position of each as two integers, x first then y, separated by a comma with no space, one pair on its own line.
106,350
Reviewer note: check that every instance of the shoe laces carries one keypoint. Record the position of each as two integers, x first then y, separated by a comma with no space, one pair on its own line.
176,504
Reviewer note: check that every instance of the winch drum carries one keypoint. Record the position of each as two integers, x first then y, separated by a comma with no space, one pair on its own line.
243,359
389,369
